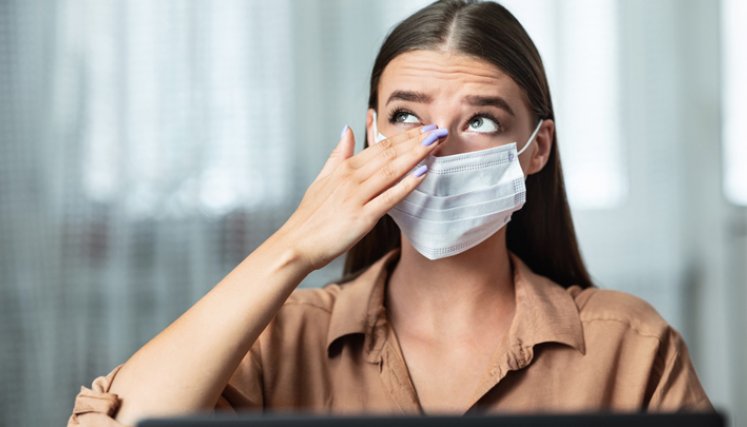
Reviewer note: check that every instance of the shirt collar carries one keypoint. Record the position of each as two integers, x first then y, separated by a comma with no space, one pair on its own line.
359,308
545,311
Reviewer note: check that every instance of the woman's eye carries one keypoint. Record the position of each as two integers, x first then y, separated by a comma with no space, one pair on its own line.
483,125
403,117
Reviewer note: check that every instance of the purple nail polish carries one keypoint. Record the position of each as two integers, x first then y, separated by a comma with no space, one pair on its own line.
345,129
420,171
435,135
427,128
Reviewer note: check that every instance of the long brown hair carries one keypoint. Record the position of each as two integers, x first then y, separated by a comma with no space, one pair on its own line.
542,232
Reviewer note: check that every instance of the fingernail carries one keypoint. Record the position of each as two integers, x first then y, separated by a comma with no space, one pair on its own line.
427,128
434,136
345,129
420,171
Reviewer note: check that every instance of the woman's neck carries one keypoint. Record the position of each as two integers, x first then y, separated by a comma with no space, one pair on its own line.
451,295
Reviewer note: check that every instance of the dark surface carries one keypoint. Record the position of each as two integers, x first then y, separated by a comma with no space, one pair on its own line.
564,420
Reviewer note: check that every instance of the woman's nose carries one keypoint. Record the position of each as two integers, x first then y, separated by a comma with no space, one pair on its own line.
450,144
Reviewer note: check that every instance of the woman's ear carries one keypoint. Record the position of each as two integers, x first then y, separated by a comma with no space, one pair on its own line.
540,153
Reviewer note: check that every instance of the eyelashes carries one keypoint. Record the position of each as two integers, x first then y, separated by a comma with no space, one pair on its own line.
492,118
395,117
395,114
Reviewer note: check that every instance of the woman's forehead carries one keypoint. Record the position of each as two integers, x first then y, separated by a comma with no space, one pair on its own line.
444,74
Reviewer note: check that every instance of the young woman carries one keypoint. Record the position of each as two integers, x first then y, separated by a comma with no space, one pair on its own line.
464,291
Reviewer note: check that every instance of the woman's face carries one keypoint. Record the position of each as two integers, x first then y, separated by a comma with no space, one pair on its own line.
481,106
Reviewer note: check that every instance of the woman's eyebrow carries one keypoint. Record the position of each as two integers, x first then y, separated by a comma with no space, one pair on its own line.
474,100
406,95
495,101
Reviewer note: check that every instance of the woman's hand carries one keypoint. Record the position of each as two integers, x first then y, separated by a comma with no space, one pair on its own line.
352,192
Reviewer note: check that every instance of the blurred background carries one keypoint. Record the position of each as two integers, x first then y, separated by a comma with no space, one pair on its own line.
146,147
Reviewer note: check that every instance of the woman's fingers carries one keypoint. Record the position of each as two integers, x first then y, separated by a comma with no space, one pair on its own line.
387,169
343,151
385,201
376,149
394,155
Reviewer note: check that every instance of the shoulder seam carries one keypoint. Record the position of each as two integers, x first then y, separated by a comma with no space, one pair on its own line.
626,323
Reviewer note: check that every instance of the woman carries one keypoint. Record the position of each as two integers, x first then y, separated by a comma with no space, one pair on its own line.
447,306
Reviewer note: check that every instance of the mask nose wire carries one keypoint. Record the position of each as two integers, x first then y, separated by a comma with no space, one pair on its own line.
531,138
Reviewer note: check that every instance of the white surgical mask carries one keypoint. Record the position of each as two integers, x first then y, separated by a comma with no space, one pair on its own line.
463,200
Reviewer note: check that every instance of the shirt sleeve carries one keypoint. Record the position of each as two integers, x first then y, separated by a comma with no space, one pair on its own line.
96,406
674,384
244,390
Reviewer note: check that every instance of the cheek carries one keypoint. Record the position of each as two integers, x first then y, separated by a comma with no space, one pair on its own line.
526,163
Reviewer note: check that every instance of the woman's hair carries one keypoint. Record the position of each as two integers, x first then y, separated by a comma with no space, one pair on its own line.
542,232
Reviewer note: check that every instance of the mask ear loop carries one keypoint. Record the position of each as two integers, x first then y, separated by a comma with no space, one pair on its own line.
531,138
375,126
376,129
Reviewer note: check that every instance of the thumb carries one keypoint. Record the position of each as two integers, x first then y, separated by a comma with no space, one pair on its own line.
343,150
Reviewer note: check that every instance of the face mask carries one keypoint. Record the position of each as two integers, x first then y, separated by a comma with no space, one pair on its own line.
463,200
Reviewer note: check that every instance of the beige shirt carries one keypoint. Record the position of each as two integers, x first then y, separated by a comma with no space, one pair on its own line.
333,350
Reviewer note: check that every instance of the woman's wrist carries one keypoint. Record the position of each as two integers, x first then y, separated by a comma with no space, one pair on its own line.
285,254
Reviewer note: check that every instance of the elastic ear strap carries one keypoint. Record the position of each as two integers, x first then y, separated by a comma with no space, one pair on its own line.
375,127
531,138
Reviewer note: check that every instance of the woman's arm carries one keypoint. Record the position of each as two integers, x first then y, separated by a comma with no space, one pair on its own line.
185,367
